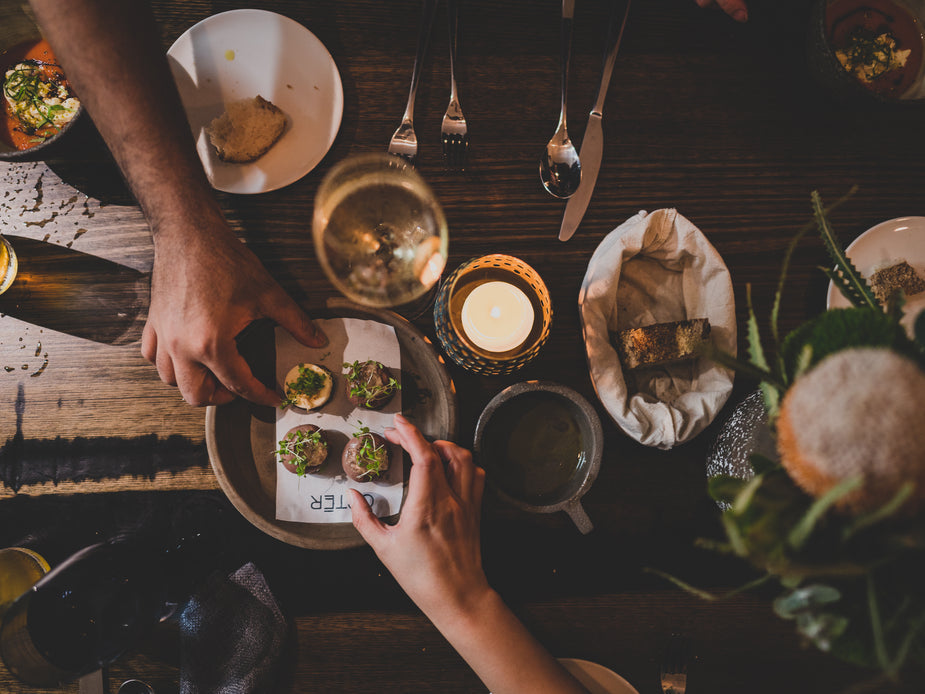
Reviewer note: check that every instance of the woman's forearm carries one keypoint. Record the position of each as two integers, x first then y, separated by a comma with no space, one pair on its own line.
500,649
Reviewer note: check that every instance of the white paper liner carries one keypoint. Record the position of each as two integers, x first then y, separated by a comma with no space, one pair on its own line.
322,497
654,269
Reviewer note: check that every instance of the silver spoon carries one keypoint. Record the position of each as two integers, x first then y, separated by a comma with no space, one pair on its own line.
560,168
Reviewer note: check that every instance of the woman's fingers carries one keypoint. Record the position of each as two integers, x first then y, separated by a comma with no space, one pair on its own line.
463,476
364,520
427,480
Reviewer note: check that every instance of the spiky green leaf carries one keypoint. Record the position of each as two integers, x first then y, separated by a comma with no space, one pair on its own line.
845,276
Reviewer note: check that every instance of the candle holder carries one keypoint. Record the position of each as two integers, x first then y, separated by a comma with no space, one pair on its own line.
517,281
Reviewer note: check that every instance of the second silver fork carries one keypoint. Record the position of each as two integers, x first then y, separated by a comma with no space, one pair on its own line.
404,142
453,130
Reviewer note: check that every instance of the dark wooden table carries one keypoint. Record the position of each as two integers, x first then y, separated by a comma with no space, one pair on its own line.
718,120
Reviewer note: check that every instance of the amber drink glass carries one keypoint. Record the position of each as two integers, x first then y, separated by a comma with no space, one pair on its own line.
379,232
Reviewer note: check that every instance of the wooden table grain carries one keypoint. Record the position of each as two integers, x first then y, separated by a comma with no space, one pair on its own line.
720,121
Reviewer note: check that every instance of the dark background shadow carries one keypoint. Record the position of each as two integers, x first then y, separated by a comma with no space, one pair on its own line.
84,162
76,293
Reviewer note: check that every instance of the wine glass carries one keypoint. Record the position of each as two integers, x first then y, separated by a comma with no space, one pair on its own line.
380,233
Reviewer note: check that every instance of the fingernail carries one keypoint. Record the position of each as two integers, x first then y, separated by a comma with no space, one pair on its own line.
399,419
320,336
740,16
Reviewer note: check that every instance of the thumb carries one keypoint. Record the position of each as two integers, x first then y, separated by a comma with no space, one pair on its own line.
364,520
281,308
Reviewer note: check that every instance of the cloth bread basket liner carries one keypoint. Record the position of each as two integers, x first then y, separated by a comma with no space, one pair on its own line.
656,268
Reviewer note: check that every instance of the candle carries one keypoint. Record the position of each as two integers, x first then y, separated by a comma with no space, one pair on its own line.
497,317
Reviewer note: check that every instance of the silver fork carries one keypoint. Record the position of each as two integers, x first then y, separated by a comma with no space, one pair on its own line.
453,129
673,668
404,142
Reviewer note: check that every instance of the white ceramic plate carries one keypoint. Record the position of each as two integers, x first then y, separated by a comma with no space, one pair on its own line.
240,54
596,678
888,242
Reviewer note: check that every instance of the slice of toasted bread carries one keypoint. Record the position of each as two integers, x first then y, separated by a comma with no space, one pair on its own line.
888,280
662,343
246,130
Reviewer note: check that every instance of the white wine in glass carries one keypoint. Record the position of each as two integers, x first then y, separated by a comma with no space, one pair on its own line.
379,232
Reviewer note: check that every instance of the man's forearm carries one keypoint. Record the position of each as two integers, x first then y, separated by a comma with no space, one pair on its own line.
111,53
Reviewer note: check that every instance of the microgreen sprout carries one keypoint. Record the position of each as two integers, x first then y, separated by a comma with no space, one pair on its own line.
27,86
299,444
362,387
369,455
308,383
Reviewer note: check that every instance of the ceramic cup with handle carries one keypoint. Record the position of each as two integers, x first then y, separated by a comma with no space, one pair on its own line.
541,444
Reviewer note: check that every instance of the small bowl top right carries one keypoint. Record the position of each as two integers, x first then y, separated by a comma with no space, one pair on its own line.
871,50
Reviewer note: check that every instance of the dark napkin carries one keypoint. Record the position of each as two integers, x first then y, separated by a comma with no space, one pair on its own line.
231,636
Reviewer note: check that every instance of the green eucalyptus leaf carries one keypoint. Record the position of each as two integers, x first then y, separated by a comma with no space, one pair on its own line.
735,537
714,545
822,629
725,488
771,396
803,599
762,464
804,361
800,534
739,365
888,510
785,266
683,585
746,494
755,350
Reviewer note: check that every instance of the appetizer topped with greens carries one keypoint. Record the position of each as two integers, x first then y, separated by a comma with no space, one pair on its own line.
308,386
303,449
366,456
370,384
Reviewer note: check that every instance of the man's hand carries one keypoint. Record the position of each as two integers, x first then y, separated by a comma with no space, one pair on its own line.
206,286
204,292
734,8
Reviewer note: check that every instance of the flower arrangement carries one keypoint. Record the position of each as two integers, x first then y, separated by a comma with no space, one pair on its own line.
842,539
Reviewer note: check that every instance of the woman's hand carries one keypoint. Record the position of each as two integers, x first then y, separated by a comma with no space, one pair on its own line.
434,551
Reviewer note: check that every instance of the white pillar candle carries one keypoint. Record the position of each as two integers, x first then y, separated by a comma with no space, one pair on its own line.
497,317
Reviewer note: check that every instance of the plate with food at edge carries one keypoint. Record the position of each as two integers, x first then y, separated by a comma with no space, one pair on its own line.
241,436
262,95
890,256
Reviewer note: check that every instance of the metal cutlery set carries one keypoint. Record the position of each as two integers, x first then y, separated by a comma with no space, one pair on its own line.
592,145
453,129
565,173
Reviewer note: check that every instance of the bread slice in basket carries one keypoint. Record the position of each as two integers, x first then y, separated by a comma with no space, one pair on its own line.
662,343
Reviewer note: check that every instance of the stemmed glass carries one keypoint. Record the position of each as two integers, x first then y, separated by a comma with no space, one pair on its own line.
380,233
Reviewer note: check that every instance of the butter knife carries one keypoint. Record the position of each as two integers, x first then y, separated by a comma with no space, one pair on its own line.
592,144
